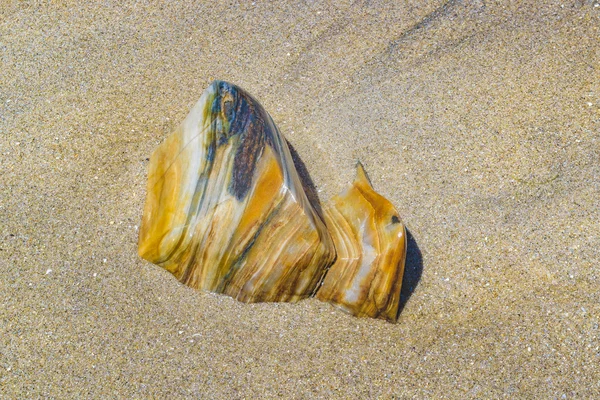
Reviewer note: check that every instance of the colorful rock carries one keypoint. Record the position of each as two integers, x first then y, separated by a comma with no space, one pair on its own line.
370,241
226,212
225,209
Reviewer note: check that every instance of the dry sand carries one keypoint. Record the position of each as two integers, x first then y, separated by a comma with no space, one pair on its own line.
479,120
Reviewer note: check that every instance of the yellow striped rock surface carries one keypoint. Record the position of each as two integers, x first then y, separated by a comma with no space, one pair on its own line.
370,241
226,212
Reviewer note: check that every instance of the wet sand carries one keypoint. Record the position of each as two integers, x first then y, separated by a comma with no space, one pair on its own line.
479,121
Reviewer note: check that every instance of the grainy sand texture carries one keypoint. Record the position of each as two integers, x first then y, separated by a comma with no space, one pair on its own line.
479,120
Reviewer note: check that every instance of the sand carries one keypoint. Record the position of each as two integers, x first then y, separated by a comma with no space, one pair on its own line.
479,120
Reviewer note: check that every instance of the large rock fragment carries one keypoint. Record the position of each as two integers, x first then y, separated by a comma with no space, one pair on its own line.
225,209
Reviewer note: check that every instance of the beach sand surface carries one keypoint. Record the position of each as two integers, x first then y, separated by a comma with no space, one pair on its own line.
479,120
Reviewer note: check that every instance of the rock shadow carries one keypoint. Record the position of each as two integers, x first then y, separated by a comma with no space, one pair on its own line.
413,269
307,183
